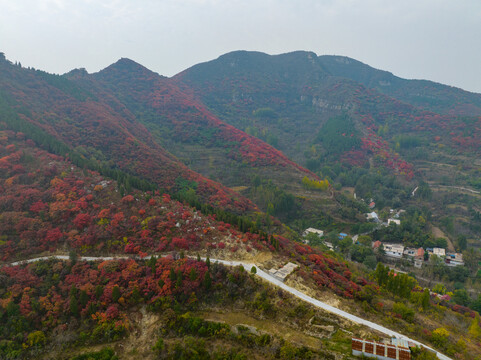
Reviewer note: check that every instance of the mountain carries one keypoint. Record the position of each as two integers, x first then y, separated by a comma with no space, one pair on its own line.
206,144
49,206
429,95
94,126
331,115
187,129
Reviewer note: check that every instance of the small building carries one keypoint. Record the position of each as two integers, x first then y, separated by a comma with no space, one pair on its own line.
310,230
394,250
376,244
400,342
393,221
454,259
354,239
373,216
437,251
342,236
282,273
329,245
410,252
420,254
372,205
379,350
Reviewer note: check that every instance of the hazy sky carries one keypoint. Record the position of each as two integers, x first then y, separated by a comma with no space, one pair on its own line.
439,40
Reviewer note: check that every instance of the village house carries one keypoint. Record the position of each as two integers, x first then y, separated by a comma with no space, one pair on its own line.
329,245
414,253
393,221
310,230
454,259
373,216
394,250
418,263
436,251
410,252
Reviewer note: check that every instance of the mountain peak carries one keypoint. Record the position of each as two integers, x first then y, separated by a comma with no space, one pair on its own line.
77,73
126,67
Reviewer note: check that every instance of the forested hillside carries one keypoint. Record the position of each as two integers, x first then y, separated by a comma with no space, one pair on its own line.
333,115
98,129
234,159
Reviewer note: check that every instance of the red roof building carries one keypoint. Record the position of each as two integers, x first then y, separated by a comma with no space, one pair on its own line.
376,244
378,350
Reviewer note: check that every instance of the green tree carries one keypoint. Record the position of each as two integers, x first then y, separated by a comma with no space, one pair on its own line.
406,312
207,280
345,244
461,297
425,300
370,261
476,304
474,328
159,346
74,310
36,338
439,289
381,274
440,337
461,242
116,294
365,240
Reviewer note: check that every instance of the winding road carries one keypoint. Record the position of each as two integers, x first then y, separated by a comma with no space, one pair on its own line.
264,275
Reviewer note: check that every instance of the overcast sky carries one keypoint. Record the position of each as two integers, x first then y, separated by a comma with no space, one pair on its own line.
438,40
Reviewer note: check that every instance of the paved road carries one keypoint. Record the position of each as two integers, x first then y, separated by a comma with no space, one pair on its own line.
261,273
455,187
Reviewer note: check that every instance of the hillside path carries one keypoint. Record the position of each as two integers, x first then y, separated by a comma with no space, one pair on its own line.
264,275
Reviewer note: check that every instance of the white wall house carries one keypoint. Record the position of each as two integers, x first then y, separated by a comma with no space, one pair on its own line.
454,259
439,251
394,221
394,250
310,230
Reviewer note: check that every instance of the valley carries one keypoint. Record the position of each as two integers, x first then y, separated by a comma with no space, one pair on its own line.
223,167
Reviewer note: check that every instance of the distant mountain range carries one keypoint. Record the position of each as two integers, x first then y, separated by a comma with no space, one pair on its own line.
248,117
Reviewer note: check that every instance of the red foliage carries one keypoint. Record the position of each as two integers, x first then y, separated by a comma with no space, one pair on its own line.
180,243
81,221
128,199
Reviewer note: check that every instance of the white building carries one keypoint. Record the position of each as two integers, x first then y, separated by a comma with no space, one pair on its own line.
310,230
439,251
282,273
394,250
410,252
372,216
454,259
329,245
394,221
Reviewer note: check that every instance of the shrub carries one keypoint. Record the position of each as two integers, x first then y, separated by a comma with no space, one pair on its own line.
405,312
